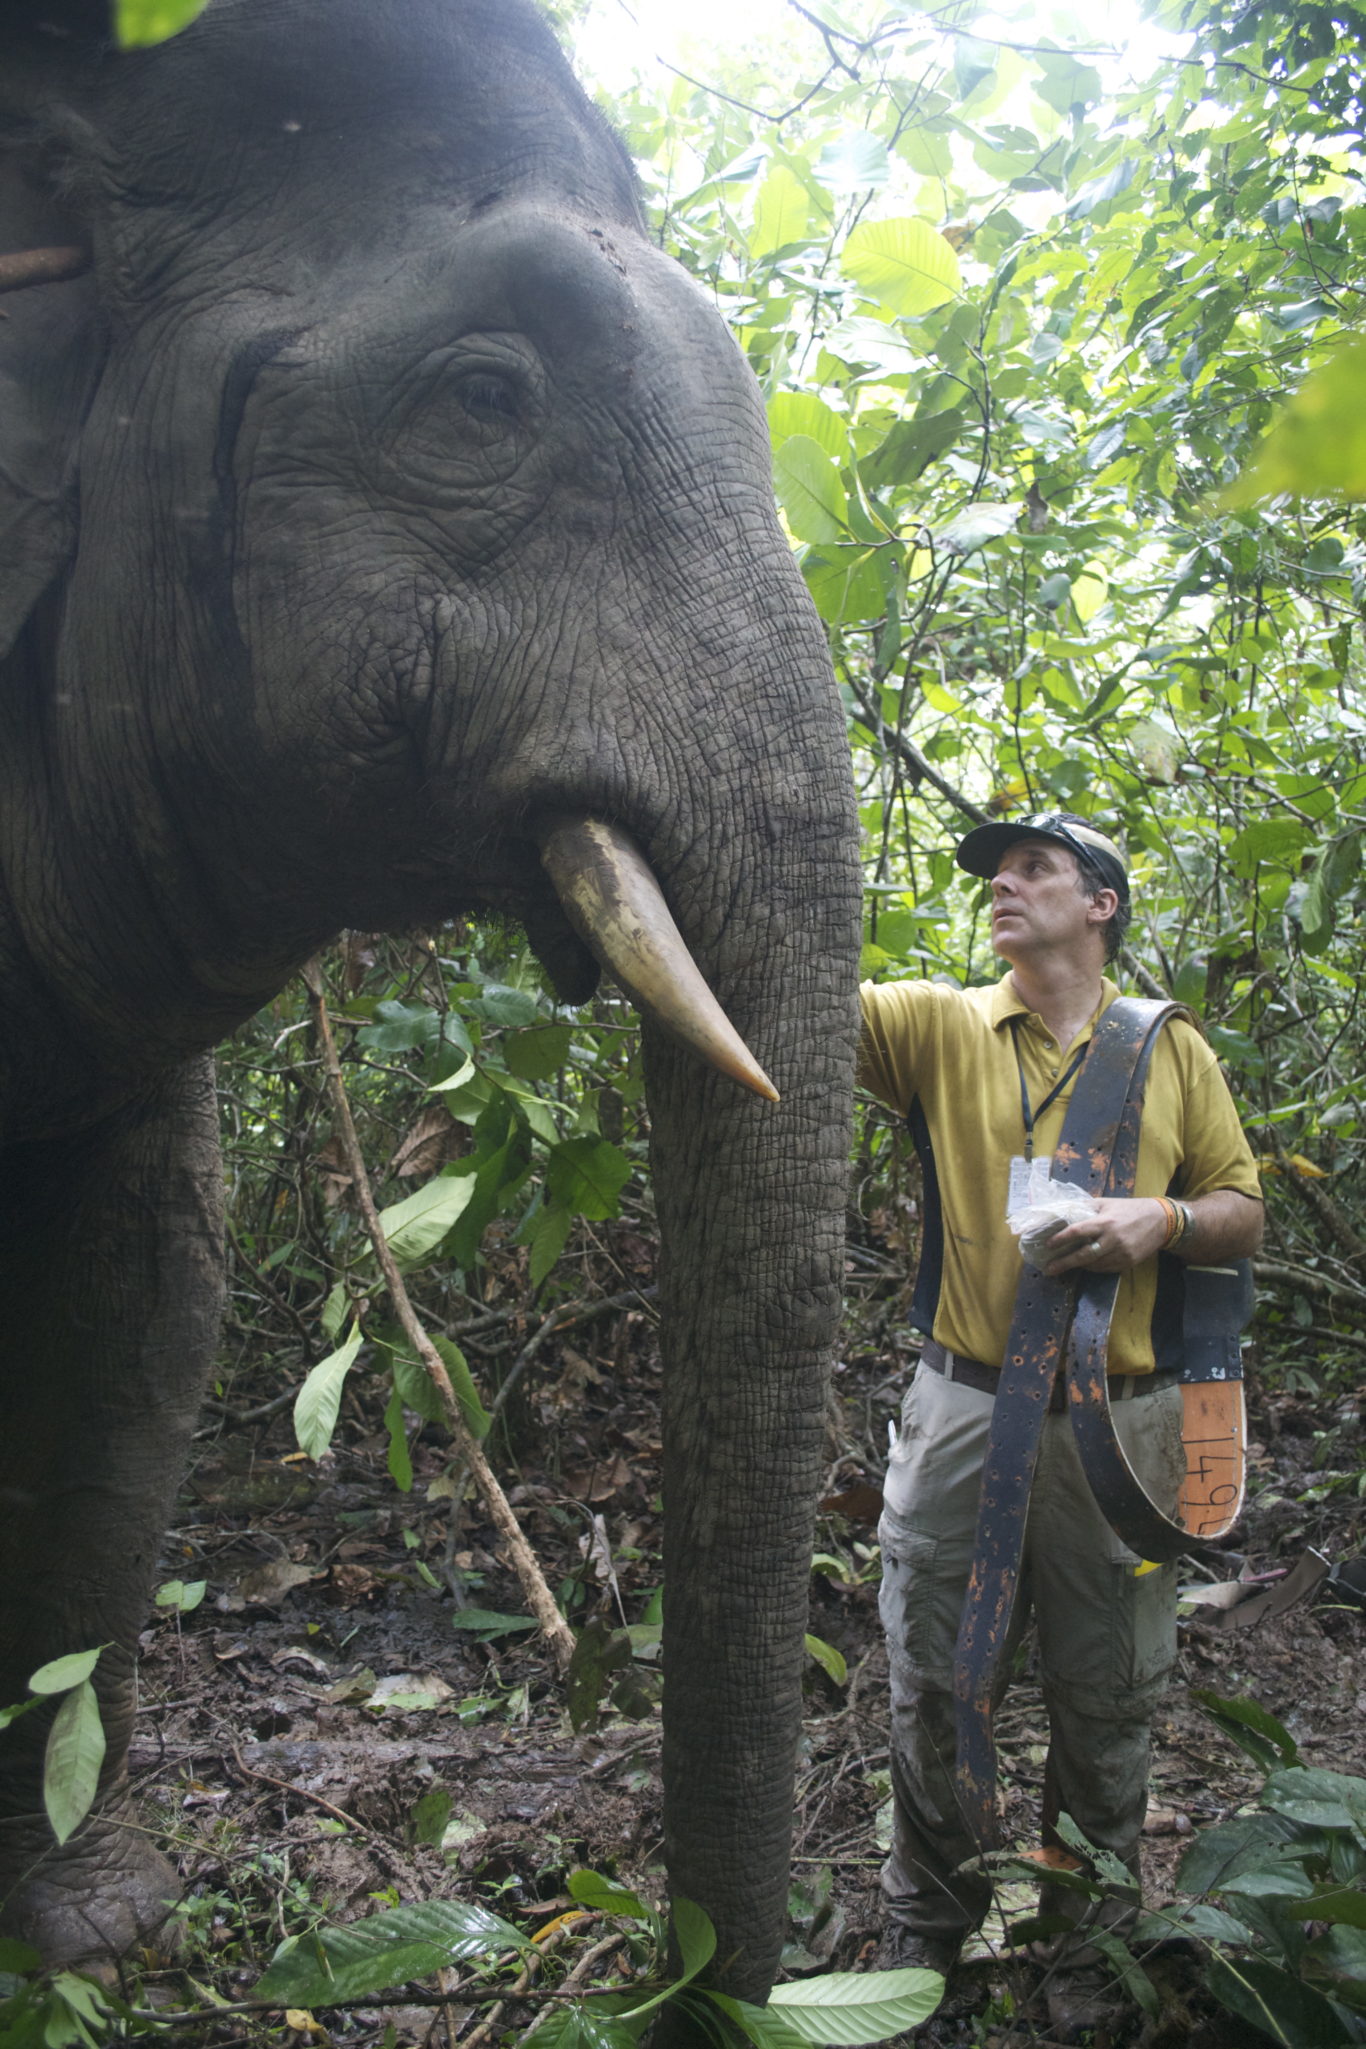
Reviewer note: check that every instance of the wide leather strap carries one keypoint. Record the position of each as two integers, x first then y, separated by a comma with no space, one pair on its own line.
1098,1151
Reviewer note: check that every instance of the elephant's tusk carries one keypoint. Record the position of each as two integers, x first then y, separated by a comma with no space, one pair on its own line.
614,904
41,267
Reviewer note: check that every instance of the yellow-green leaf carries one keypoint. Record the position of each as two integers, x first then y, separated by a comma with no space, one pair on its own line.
809,490
416,1226
1317,447
801,412
905,265
71,1765
138,23
318,1400
782,210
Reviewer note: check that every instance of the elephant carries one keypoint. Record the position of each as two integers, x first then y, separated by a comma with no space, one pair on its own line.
388,534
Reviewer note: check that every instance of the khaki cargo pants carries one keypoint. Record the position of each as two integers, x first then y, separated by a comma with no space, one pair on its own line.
1107,1640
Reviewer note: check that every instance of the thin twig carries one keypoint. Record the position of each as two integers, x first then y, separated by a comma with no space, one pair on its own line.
538,1595
283,1786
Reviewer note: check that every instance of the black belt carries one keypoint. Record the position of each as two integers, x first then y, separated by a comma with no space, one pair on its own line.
1121,1387
1058,1333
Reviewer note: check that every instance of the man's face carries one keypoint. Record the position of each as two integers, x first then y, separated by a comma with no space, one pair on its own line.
1037,906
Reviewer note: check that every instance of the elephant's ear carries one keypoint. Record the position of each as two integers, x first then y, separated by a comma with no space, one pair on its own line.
51,353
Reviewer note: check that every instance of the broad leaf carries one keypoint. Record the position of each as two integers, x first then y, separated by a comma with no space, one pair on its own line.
1253,1728
587,1175
972,529
905,265
1317,448
546,1239
417,1225
809,490
71,1763
592,1890
1317,1798
804,413
538,1052
1274,2001
138,23
486,1623
62,1673
398,1461
857,2006
782,211
319,1399
581,2024
831,1661
332,1965
418,1394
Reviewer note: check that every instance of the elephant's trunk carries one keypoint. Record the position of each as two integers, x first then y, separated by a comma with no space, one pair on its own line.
751,1199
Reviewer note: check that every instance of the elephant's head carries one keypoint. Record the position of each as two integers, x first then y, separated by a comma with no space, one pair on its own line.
381,507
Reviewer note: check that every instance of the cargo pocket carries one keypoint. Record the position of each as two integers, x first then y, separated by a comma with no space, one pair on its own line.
919,1611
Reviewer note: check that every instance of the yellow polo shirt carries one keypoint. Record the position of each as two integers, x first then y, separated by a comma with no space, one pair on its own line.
947,1058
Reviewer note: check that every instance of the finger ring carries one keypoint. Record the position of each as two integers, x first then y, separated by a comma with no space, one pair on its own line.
1095,1245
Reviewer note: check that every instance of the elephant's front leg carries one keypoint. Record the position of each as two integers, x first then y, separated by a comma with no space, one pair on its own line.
110,1294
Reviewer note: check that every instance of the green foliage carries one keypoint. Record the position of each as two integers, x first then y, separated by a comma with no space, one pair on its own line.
75,1746
140,22
1316,447
1020,324
332,1966
1276,1893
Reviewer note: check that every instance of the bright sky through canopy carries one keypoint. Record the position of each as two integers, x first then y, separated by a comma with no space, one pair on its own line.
620,37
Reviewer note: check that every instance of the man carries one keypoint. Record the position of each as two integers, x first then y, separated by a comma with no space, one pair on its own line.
984,1077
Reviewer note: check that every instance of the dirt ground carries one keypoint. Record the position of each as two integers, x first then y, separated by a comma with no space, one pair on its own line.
296,1721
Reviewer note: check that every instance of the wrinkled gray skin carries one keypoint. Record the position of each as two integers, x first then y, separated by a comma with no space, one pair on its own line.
379,492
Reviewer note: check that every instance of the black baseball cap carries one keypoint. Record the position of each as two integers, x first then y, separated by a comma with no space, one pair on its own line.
980,852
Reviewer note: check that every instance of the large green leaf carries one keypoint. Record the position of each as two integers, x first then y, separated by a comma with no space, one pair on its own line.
904,265
1329,1902
582,2024
840,2006
587,1175
910,448
538,1052
809,490
782,212
1280,840
591,1889
1252,1727
1245,1843
1316,1797
1277,2004
331,1965
1317,447
319,1399
71,1763
60,1673
857,2006
138,23
417,1225
804,412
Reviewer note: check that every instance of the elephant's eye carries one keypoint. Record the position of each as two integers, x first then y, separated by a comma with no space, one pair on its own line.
492,400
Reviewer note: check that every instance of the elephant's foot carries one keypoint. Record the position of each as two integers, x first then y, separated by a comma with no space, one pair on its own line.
91,1900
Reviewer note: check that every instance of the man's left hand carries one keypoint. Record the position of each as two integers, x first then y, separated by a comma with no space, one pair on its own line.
1124,1231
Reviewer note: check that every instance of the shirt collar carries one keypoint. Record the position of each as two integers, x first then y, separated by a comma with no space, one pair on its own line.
1006,1001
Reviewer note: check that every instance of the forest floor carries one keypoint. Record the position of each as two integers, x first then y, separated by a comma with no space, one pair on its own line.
320,1737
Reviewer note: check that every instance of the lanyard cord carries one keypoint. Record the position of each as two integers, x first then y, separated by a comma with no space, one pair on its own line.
1031,1117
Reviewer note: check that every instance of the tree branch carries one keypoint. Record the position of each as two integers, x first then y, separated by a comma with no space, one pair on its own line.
538,1595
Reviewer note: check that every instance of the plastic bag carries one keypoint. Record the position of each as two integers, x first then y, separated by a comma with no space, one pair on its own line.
1036,1224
